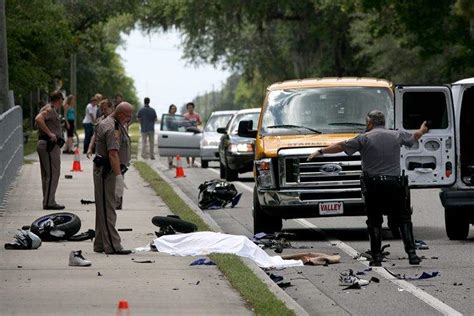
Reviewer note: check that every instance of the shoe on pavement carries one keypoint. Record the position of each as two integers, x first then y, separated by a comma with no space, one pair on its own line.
347,278
54,207
77,260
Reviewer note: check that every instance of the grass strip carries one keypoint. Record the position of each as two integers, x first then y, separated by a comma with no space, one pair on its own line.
252,289
30,146
134,133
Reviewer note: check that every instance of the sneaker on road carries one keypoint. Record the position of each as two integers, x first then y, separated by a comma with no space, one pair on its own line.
348,278
76,259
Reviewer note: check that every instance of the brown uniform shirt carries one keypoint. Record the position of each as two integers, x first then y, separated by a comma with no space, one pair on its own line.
111,135
51,120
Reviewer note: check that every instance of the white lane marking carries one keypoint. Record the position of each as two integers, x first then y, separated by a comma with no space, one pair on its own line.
410,288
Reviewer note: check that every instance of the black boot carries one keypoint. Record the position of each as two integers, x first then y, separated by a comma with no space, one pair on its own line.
406,230
375,236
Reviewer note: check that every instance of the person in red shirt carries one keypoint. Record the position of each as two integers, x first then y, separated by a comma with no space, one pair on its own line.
196,119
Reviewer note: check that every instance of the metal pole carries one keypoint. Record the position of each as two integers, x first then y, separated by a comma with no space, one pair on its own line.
4,85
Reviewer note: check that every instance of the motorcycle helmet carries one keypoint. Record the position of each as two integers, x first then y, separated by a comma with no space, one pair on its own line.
24,239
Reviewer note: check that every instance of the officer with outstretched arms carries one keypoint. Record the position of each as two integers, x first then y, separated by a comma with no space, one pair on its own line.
49,149
110,163
384,189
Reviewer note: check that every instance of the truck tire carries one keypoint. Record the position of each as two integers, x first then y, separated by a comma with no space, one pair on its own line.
222,170
231,175
263,222
457,225
204,164
69,223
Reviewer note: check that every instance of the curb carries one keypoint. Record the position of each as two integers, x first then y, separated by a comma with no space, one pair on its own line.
289,302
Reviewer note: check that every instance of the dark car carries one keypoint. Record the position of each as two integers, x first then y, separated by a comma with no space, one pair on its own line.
236,153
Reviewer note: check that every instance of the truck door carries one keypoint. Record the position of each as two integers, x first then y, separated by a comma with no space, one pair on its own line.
178,136
431,162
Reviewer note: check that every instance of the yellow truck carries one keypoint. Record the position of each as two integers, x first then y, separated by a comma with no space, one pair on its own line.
300,116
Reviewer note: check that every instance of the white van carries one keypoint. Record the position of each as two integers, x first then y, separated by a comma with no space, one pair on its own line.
458,199
444,157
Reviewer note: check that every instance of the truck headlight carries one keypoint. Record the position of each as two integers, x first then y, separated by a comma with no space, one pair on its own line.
265,176
241,148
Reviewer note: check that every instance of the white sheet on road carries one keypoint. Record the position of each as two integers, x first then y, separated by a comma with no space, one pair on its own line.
204,243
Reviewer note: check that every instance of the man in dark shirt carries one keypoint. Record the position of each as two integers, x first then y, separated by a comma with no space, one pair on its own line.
385,190
147,118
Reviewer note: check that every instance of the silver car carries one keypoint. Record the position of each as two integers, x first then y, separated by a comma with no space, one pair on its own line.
210,138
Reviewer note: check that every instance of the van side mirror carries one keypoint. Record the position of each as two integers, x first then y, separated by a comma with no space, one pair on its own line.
222,130
245,129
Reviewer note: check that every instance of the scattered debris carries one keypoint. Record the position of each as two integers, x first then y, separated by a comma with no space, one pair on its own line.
421,245
202,262
68,176
277,241
19,267
197,283
367,255
400,290
125,229
422,276
347,278
143,261
363,272
85,202
355,286
457,284
99,274
175,289
89,234
374,279
275,278
284,285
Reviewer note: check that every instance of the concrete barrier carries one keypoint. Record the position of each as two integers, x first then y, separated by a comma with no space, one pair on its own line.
11,148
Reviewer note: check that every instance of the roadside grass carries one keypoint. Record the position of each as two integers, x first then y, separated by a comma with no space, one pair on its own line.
30,146
134,133
252,289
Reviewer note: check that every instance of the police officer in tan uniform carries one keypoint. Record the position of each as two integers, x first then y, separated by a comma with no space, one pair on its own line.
49,149
385,190
110,163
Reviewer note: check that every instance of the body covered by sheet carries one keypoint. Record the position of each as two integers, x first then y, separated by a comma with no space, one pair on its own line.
204,243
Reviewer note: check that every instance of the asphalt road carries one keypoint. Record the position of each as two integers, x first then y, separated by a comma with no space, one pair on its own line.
317,289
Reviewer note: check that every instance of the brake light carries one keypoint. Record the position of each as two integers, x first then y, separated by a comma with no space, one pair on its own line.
449,169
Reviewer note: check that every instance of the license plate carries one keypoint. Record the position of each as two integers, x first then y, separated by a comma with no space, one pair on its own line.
331,208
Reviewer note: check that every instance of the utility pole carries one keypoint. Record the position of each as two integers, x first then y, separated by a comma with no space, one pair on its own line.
4,85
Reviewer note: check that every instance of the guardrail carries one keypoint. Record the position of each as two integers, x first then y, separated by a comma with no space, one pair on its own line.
11,148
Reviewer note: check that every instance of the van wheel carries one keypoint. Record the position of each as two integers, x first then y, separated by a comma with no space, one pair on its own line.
204,164
222,170
231,175
457,226
263,222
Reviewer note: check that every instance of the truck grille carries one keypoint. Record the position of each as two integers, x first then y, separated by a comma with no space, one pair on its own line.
331,177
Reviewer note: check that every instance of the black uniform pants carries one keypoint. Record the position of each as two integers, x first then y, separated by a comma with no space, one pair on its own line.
386,195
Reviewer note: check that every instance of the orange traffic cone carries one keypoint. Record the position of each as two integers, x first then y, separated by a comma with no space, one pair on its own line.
122,309
179,167
76,165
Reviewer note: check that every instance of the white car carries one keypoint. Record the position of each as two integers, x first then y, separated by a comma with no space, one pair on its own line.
178,136
210,137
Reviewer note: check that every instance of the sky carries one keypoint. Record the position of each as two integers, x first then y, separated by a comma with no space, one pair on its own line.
156,65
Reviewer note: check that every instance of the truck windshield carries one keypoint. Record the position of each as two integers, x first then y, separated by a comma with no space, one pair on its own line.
326,110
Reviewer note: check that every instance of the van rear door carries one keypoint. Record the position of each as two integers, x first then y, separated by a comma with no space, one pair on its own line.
431,162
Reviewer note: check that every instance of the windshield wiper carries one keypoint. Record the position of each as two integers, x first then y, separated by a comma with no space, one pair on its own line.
348,123
294,126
